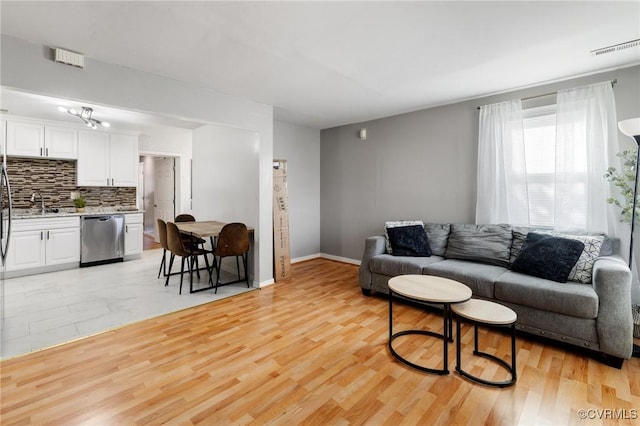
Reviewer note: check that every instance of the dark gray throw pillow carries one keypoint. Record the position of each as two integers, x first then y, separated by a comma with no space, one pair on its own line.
409,241
548,257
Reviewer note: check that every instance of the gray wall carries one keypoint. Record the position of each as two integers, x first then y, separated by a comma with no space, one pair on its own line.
300,146
420,165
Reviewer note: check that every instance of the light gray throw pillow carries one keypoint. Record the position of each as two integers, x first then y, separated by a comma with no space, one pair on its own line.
480,243
438,234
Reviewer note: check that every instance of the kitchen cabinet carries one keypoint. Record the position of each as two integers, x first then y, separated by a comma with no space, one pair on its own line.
123,157
60,142
39,140
133,233
107,159
36,243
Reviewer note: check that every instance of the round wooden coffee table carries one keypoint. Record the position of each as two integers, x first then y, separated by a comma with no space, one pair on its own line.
488,314
427,288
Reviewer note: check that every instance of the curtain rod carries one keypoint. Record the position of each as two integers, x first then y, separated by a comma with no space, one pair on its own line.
613,82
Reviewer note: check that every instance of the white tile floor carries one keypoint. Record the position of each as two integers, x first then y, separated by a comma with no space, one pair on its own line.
49,309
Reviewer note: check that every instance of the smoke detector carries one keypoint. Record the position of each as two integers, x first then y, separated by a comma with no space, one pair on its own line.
616,47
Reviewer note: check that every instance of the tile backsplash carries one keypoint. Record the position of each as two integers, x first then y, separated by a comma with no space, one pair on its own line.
55,180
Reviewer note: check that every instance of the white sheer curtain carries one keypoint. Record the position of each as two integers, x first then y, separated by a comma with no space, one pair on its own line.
586,145
502,188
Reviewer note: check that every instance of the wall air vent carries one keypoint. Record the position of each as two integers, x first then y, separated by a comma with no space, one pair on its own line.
69,58
616,47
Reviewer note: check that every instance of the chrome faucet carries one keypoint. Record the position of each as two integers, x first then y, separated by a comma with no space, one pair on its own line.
33,200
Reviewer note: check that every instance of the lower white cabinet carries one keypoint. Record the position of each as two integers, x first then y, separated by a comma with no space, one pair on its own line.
42,242
133,233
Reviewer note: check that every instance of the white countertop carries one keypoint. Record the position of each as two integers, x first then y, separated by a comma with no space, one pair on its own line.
35,213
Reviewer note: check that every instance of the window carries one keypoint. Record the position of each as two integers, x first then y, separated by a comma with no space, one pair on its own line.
539,125
544,167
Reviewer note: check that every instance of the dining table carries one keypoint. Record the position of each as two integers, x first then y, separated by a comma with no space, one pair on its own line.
205,229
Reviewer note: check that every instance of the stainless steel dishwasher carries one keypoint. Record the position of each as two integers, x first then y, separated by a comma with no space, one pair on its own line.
102,239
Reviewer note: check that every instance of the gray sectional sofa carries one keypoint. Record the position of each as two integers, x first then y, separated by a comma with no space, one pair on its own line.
594,314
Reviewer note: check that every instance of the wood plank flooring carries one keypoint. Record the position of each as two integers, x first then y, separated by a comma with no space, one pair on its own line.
311,350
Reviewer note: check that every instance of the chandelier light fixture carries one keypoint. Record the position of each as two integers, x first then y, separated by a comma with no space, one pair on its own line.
85,115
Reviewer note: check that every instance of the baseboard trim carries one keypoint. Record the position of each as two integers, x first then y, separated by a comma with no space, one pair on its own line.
266,283
340,259
328,257
305,258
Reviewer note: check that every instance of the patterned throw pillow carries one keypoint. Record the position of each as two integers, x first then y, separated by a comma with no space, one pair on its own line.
396,223
583,268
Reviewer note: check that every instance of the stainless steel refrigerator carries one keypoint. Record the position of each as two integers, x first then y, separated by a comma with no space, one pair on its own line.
5,230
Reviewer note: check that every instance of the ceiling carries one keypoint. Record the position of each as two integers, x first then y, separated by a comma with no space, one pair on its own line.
325,64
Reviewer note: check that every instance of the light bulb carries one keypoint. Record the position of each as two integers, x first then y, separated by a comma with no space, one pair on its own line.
105,124
62,109
72,111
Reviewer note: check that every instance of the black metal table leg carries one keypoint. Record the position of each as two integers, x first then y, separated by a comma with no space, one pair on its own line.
445,336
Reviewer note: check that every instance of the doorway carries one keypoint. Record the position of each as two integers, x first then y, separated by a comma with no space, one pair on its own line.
157,186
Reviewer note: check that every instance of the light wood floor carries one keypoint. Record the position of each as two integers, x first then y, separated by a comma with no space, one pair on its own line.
312,350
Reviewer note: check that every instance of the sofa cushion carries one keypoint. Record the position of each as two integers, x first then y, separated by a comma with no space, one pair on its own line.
479,277
480,243
574,299
391,266
409,241
548,257
438,234
394,223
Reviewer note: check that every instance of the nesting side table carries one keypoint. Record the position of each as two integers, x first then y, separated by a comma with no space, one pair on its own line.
432,289
489,314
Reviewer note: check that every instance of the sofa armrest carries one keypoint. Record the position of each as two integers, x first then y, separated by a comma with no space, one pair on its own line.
612,283
373,246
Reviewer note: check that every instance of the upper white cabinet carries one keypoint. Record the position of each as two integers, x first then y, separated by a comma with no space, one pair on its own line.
60,142
34,139
107,159
93,159
25,139
123,164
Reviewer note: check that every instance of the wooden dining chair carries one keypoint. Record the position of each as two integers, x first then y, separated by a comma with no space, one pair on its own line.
162,235
232,241
177,247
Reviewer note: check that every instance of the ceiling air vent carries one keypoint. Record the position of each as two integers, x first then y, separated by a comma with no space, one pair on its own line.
69,58
616,47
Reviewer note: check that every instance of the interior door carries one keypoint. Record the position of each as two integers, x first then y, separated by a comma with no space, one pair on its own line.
164,179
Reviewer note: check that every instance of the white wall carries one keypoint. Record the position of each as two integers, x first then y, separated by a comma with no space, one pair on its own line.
226,178
28,67
172,141
300,146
